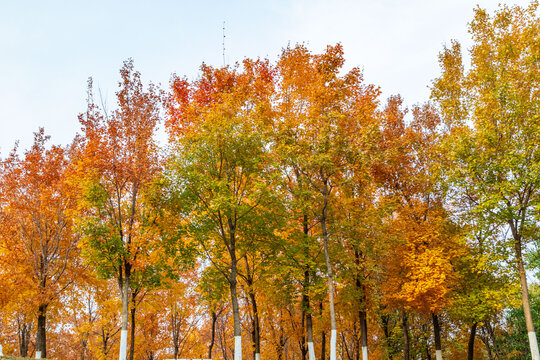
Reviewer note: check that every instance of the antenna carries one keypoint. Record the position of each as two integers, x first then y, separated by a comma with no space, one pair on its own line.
223,43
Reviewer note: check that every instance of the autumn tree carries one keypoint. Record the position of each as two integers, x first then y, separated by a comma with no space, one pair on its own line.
420,274
37,228
220,171
491,110
117,162
327,121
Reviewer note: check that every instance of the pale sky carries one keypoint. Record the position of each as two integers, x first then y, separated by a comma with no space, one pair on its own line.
48,49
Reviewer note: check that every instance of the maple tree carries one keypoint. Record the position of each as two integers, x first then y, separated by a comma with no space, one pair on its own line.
117,162
491,111
420,274
220,170
327,120
37,229
288,204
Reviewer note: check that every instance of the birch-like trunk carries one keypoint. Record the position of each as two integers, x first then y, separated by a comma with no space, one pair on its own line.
362,313
333,333
363,334
124,293
311,347
533,343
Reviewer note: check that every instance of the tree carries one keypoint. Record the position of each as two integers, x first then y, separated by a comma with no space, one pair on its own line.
492,113
420,273
326,123
221,169
36,202
116,164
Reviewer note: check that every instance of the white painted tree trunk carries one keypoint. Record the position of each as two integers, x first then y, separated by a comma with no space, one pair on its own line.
311,350
238,348
533,343
333,348
438,354
125,295
364,353
1,353
257,356
123,345
38,354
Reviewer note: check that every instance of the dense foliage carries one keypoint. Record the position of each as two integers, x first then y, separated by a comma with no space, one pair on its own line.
293,214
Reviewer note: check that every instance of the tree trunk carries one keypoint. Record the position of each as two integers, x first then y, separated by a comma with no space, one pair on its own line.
437,333
470,348
256,325
234,296
24,337
125,295
104,341
214,320
485,340
311,346
132,326
406,340
41,336
533,343
428,353
175,327
306,306
385,320
363,334
333,333
362,313
491,335
303,339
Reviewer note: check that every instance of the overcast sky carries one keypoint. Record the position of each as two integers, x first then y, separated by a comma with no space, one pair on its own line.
48,49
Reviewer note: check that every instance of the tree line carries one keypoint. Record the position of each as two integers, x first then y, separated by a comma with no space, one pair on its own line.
293,213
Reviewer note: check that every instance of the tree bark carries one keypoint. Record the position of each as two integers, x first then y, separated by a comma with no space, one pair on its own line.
24,337
363,334
132,325
485,340
533,342
212,340
234,296
362,313
470,348
437,333
406,340
41,336
125,290
256,325
491,335
306,306
333,328
303,339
